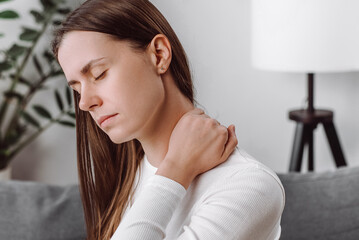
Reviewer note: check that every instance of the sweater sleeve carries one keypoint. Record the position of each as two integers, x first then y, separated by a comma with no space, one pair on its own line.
152,211
245,205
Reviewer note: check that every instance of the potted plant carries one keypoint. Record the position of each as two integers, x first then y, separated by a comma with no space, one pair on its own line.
20,120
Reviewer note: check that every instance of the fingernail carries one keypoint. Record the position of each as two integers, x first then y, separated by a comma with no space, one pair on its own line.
234,128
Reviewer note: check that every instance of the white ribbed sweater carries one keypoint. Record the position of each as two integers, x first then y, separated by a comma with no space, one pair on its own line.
239,199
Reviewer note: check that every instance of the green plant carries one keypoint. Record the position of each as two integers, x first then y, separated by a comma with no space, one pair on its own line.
18,126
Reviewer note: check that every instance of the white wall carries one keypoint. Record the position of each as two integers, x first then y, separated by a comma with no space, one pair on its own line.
216,37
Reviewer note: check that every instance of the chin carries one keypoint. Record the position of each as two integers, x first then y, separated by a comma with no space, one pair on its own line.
118,139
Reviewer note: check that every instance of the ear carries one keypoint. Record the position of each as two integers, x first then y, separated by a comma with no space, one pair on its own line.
160,52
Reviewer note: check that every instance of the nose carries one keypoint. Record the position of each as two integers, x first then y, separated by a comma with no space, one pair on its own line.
89,99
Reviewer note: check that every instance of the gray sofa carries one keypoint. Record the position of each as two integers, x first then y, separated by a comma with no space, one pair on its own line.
318,206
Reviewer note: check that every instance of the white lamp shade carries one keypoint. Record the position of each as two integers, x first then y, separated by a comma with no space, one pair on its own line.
305,35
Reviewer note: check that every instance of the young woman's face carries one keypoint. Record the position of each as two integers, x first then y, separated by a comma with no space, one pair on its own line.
119,87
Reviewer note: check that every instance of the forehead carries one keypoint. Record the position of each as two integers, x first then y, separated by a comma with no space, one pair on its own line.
84,43
79,47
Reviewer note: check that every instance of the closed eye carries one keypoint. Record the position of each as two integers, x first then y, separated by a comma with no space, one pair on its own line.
100,76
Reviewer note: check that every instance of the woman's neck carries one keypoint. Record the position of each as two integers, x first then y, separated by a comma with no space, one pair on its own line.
158,132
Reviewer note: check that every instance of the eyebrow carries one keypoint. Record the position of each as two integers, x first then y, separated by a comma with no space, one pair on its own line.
86,68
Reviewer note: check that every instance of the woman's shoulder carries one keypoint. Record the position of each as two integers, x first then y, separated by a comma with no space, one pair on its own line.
239,192
240,162
241,170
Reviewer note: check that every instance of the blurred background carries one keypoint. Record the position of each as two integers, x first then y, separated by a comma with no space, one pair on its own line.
217,38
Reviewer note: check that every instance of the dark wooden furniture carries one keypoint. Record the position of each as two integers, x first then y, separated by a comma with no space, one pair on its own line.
307,121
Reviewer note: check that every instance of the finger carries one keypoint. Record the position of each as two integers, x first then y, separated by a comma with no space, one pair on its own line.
231,143
232,129
197,111
203,115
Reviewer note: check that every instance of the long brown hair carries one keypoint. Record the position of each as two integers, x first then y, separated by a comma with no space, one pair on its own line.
107,170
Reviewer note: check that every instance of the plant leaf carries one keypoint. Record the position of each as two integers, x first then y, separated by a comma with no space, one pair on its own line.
21,80
57,22
56,73
39,17
64,11
31,120
25,82
9,14
12,94
4,153
15,134
4,66
38,65
49,56
16,51
13,137
68,95
42,111
47,4
4,1
72,115
59,100
29,34
67,123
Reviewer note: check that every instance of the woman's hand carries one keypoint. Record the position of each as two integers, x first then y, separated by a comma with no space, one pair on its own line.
197,144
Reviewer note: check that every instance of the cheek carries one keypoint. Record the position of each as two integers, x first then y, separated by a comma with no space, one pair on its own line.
139,107
141,91
145,100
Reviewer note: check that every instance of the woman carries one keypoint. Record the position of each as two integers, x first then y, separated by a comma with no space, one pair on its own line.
151,165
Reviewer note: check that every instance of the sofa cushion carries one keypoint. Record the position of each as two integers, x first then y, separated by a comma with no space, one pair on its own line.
37,211
321,205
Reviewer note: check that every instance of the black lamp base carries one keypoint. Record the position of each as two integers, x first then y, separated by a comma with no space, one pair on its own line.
307,121
306,124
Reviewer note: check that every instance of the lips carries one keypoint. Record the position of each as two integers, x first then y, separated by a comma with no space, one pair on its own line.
104,118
